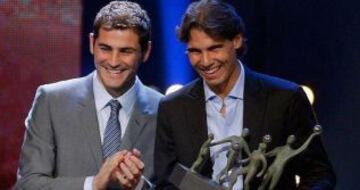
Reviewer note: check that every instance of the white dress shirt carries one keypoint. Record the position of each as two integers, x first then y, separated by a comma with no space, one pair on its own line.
225,125
102,97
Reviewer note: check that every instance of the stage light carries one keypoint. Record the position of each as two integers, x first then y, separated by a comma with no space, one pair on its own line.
173,88
176,67
309,93
297,179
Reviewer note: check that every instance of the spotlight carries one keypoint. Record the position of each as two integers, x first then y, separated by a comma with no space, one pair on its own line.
297,179
173,88
309,93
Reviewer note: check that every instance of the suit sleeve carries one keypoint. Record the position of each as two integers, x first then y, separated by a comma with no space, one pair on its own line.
165,156
38,154
312,165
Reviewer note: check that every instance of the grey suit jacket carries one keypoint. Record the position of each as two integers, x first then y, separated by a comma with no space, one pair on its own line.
62,140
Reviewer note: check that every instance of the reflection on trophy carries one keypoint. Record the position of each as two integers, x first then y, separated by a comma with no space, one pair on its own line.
255,165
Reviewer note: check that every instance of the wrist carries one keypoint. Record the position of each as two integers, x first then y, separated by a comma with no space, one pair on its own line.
96,185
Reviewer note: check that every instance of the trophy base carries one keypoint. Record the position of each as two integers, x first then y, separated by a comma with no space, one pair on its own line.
184,179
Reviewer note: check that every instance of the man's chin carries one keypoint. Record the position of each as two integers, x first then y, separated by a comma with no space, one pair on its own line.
212,83
114,84
115,91
119,86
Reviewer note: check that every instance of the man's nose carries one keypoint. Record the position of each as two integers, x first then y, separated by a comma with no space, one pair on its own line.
114,60
206,59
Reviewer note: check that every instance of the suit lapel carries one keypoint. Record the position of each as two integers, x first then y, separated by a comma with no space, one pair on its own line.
255,98
196,114
197,122
88,120
138,120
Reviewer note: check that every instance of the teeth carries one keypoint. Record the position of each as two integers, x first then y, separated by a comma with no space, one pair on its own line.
212,70
111,70
114,71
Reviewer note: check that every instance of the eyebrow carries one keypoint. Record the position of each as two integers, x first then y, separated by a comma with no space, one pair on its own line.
105,45
215,46
121,48
192,49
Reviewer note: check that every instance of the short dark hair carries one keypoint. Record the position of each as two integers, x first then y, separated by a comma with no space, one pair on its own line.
123,15
217,19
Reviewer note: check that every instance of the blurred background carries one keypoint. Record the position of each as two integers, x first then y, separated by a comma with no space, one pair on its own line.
311,42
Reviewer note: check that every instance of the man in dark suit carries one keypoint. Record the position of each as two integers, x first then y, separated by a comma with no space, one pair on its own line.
228,98
97,131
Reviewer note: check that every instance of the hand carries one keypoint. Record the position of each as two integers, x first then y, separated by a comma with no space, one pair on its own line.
130,170
103,177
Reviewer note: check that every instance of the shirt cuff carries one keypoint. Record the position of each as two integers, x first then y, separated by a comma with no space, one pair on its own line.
88,183
140,185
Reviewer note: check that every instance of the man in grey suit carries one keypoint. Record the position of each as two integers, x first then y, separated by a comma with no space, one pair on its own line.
98,131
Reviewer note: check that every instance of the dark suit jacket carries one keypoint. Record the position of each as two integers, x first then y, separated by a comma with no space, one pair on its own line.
271,106
62,140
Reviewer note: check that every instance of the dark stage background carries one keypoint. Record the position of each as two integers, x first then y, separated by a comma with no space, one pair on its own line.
311,42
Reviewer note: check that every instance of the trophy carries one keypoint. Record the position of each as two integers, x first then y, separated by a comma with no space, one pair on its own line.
189,179
254,165
283,154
